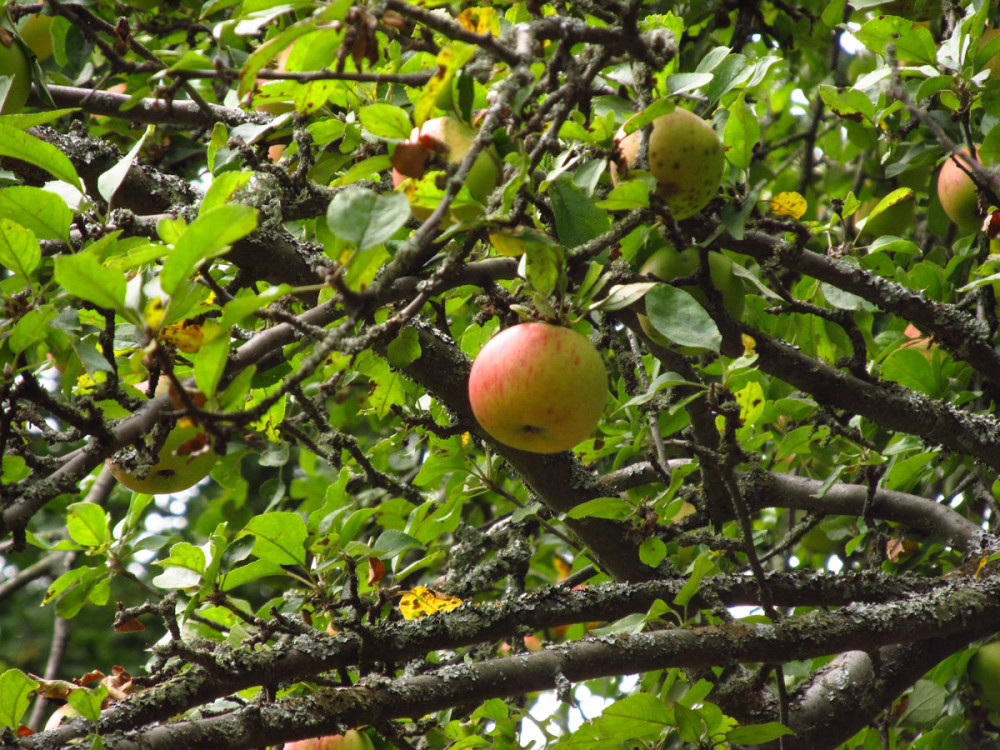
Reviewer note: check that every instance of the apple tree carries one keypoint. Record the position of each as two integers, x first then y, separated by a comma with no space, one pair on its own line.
251,249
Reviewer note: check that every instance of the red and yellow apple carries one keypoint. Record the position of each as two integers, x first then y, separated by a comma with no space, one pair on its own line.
14,63
445,140
352,739
184,459
538,387
958,195
685,156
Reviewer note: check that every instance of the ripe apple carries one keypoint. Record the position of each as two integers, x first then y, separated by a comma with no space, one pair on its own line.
14,63
685,156
446,139
538,387
185,459
984,673
958,195
352,739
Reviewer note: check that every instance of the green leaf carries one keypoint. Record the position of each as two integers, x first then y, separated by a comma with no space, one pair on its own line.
21,145
109,182
32,327
43,212
211,359
578,220
690,727
366,218
19,249
637,716
83,276
848,103
681,318
404,350
742,134
912,368
392,543
758,734
87,524
652,551
209,235
912,40
622,295
703,565
386,121
223,188
16,690
601,507
279,537
625,197
925,704
185,555
542,266
88,702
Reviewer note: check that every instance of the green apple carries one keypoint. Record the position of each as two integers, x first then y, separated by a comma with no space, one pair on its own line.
37,34
352,739
685,156
958,195
538,387
65,712
984,673
668,264
447,140
184,459
14,63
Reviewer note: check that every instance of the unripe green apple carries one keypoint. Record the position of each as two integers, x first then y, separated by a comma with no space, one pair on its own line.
668,264
685,156
984,673
958,195
37,34
352,739
14,63
185,459
448,139
538,387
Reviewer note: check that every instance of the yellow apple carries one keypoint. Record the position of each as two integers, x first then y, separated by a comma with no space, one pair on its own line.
685,156
538,387
184,459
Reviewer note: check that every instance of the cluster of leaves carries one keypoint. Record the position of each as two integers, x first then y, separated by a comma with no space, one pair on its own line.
211,204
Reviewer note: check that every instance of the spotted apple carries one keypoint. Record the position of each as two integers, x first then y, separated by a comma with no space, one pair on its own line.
685,156
538,387
438,142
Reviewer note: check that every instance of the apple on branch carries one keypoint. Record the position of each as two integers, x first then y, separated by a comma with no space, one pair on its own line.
438,142
685,156
958,194
184,459
352,739
538,387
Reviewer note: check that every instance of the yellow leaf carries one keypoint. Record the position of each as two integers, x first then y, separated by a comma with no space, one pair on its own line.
789,204
421,601
480,20
185,335
749,344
